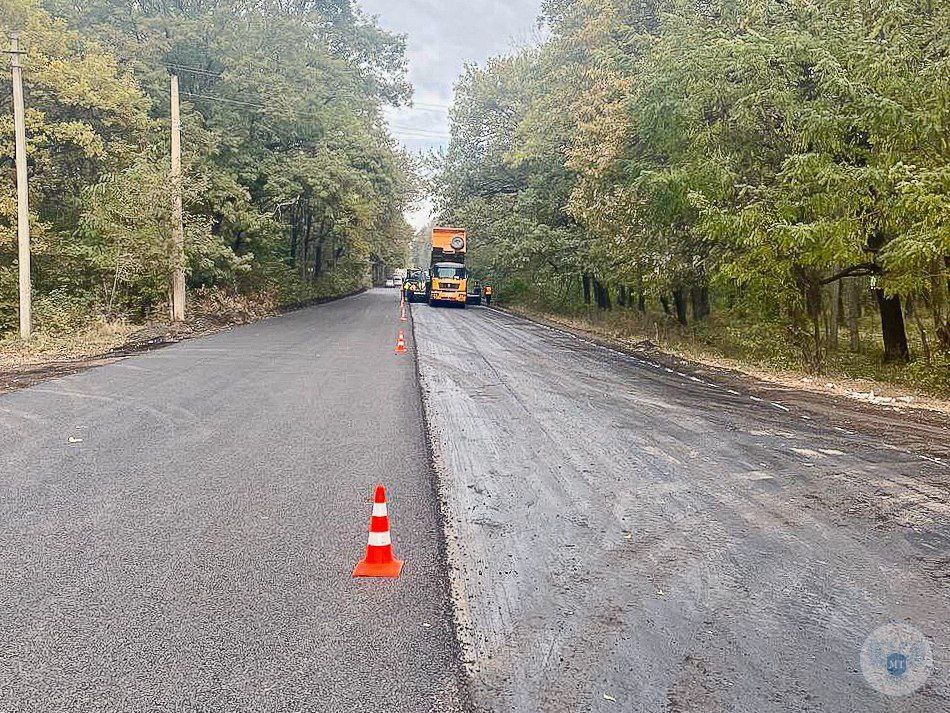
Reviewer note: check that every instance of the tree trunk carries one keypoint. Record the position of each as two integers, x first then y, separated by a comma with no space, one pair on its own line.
679,300
666,304
835,315
585,280
322,235
318,258
622,296
914,314
306,246
893,330
810,285
641,297
294,232
601,295
854,311
941,306
699,296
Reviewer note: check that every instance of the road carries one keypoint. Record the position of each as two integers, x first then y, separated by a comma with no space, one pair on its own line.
628,535
592,530
191,549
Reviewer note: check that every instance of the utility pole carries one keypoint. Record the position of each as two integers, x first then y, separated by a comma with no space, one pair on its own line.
22,194
178,228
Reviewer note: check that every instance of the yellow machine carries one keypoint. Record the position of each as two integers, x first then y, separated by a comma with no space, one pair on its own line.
415,287
448,280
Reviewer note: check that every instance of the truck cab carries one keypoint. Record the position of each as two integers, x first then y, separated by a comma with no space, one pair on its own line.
448,278
448,283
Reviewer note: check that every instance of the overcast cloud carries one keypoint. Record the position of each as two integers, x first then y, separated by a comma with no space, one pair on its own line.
441,36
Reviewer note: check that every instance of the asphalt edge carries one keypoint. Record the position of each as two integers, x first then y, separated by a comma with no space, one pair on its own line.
813,401
52,370
312,302
448,545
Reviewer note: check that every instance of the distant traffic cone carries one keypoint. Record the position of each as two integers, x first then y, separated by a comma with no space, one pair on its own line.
379,560
400,343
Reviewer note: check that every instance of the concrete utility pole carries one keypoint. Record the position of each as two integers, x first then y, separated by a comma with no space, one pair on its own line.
22,194
178,228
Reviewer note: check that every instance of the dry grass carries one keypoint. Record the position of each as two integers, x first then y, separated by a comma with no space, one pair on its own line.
96,338
208,310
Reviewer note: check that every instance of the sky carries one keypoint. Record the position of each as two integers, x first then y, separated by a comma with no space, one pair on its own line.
441,37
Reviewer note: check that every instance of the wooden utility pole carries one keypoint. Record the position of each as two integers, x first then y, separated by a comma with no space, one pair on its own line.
178,228
22,194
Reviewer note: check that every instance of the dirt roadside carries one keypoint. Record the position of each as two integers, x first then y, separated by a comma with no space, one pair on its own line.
18,371
920,424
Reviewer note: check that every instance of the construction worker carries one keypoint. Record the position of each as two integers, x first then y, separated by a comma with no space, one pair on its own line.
486,293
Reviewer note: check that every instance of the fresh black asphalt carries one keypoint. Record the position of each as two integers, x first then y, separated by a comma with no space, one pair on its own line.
178,529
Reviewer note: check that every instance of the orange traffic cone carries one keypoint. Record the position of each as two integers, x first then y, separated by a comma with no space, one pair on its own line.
400,343
379,560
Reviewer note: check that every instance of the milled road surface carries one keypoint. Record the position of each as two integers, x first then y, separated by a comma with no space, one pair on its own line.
629,536
193,551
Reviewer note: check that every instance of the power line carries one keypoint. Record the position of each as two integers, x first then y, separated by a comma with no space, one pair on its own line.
201,70
419,135
226,100
193,70
417,109
431,110
413,137
397,127
241,102
405,132
423,139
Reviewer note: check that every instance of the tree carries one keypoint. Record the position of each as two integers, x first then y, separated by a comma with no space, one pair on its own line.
291,178
747,151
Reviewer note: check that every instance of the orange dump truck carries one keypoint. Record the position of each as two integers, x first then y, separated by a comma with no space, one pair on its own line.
448,280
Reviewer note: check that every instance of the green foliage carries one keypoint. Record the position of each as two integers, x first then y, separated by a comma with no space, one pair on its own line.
291,183
754,148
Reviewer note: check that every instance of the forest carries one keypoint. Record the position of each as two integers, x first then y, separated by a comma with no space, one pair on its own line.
291,183
770,176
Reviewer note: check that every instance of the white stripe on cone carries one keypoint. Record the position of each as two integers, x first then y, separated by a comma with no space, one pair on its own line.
379,539
380,510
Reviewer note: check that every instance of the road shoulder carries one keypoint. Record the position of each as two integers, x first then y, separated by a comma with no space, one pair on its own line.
923,425
23,367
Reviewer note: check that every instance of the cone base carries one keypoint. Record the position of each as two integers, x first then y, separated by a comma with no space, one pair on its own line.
378,569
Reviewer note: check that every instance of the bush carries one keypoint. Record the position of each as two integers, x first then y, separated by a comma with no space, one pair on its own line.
60,312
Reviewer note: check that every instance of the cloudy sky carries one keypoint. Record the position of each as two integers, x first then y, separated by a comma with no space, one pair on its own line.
442,36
